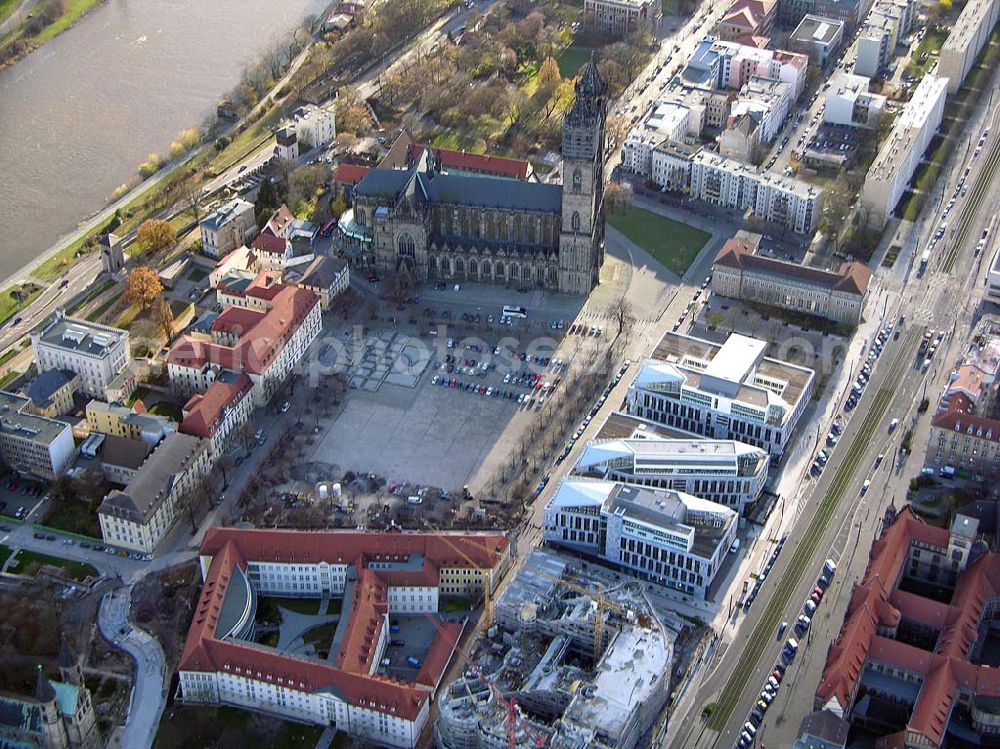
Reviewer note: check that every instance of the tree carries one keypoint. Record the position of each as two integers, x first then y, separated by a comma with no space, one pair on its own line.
617,198
143,287
397,286
165,318
270,195
338,205
191,199
305,181
837,200
155,235
624,316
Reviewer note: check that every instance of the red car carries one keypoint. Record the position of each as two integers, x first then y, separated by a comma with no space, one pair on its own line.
452,383
818,591
778,676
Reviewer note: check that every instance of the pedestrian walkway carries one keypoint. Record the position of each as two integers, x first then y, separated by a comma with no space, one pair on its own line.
326,738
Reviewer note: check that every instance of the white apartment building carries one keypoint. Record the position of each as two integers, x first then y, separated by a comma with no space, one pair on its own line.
315,126
848,102
967,37
726,472
139,516
671,166
98,353
817,37
902,151
729,391
732,184
767,101
720,64
33,446
667,537
666,122
266,345
375,575
227,228
993,279
886,24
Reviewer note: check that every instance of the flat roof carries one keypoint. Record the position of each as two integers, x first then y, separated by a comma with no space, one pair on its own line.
81,336
15,422
813,28
737,356
967,25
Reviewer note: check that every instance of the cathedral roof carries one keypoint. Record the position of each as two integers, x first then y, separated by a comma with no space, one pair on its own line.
490,192
384,182
43,688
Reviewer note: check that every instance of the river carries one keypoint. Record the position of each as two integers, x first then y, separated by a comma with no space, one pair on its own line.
80,113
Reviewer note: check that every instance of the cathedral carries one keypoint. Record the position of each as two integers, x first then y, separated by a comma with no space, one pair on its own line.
436,225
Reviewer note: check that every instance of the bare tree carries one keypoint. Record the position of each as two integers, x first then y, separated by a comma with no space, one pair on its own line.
191,199
624,316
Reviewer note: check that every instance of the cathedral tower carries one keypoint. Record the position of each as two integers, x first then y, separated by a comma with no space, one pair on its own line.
581,239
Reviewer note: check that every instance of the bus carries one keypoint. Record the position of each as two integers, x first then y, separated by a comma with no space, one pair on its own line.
511,311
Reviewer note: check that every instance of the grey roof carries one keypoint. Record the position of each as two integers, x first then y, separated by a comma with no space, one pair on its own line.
825,725
154,481
81,336
495,192
221,216
234,603
383,183
27,426
323,272
120,451
41,389
19,715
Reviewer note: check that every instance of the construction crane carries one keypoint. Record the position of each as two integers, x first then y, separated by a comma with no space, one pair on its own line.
513,716
602,601
484,572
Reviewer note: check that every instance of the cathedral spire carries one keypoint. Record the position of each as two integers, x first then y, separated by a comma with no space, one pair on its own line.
43,689
591,84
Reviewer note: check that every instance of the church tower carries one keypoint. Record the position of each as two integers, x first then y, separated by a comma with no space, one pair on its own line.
581,239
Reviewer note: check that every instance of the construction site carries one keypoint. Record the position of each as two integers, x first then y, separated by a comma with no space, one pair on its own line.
566,664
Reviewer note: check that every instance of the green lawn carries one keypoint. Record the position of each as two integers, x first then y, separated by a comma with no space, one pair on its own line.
184,727
170,410
572,59
454,605
76,517
454,141
11,305
244,143
4,554
321,634
74,10
929,45
75,570
7,7
298,605
196,274
672,243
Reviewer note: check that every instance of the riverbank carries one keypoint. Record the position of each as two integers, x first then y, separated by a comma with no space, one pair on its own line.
18,43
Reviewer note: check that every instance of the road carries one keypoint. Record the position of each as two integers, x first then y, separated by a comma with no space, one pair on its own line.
836,518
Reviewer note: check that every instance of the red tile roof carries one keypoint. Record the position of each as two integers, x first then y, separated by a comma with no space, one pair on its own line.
739,253
237,320
483,163
364,624
444,550
350,174
259,345
965,423
204,413
439,654
350,678
268,243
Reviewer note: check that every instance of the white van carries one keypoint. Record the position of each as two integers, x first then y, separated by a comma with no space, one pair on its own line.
415,500
893,424
735,546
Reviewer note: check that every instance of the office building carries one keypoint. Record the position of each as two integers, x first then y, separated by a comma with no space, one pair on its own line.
912,664
740,272
623,17
791,12
670,538
993,279
717,64
726,472
967,37
791,203
848,102
227,228
378,578
264,344
729,391
139,516
33,446
900,154
818,37
98,353
133,423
